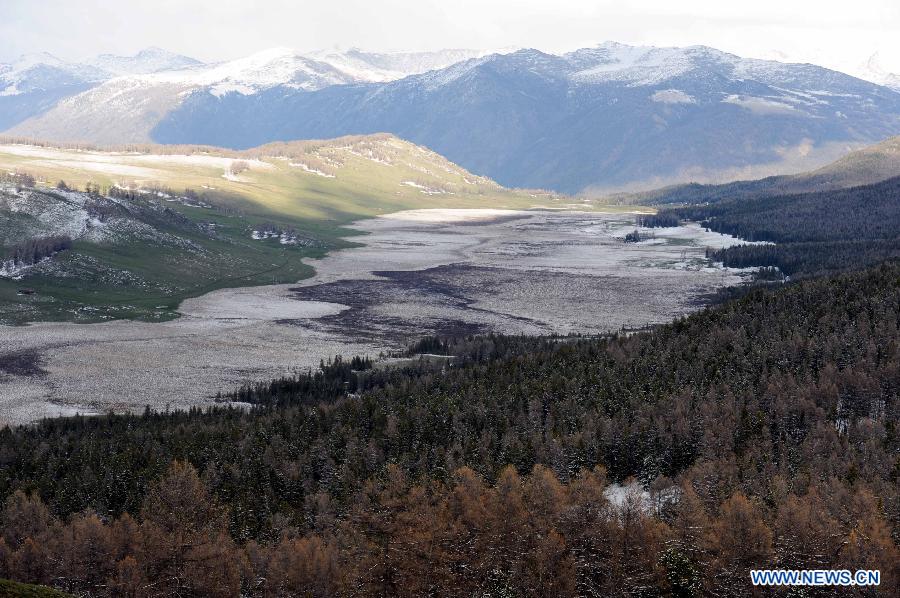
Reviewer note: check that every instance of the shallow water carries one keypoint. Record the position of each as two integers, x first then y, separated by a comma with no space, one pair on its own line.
418,273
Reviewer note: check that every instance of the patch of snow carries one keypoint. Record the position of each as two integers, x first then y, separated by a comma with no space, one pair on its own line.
11,269
413,184
762,106
620,496
424,189
303,166
223,89
633,65
672,96
125,163
12,90
198,160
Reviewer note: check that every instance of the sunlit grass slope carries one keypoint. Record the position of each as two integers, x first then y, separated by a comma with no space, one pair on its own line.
334,180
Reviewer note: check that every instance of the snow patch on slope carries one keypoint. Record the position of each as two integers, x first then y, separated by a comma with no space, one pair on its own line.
762,106
633,65
672,96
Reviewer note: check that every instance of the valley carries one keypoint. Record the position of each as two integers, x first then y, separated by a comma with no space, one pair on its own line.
152,226
547,317
441,272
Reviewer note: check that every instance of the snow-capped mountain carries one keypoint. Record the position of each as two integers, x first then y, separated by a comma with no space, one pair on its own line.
34,83
389,66
43,72
127,96
610,116
149,60
288,68
277,67
874,70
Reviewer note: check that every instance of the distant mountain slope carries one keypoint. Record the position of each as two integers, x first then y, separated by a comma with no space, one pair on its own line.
597,119
43,72
869,165
36,82
128,96
612,117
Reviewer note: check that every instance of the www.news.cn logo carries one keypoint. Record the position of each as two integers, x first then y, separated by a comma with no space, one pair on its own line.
815,577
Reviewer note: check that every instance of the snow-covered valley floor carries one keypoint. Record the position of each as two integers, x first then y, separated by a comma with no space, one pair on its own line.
418,273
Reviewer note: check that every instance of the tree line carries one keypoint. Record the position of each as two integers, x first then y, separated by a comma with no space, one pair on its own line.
813,233
34,250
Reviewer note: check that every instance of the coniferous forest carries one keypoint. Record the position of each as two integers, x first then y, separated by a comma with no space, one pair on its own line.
759,432
809,234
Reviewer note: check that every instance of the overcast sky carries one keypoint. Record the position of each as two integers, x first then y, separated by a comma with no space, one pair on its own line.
836,34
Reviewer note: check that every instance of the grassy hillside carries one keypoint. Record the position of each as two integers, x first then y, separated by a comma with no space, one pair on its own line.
153,225
337,180
862,167
12,589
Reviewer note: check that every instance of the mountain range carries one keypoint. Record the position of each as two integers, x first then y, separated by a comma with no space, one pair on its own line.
611,117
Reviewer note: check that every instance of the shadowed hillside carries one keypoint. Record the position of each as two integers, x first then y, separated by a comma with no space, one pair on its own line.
862,167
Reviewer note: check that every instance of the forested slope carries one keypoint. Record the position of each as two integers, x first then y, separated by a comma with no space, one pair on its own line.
765,430
813,233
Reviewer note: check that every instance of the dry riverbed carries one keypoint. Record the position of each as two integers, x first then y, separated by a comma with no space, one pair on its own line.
418,273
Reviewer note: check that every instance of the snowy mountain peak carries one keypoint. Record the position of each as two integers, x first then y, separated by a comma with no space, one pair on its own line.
26,61
155,52
282,66
270,68
148,60
874,70
44,71
637,66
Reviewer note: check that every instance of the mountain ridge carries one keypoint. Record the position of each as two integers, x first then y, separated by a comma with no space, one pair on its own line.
866,166
607,118
593,119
